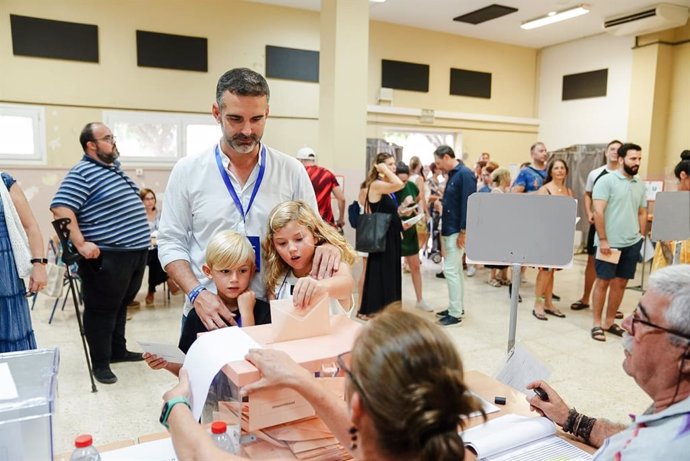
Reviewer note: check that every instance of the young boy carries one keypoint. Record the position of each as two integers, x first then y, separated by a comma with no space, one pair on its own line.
230,264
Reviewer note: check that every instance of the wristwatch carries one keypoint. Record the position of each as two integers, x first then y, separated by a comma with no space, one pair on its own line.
168,406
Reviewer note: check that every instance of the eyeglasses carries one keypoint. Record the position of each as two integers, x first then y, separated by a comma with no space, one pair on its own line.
109,139
342,366
636,319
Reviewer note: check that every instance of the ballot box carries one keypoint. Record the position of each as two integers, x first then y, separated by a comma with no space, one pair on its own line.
317,354
28,387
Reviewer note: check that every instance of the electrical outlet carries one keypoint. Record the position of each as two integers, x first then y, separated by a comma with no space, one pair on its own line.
140,172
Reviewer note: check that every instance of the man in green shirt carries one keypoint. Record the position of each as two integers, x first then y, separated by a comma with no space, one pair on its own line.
620,216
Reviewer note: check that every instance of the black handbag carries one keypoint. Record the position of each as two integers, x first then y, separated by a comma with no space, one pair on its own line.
372,229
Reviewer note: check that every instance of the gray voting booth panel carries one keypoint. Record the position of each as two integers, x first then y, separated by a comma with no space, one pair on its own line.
526,229
671,216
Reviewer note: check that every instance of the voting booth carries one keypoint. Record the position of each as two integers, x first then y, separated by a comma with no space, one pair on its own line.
672,219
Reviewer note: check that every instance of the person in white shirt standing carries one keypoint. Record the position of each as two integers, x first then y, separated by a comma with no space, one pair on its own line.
233,185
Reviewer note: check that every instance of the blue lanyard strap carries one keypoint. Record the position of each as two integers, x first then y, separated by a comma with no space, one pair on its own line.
231,189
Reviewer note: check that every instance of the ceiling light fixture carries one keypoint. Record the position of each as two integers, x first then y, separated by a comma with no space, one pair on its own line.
553,17
377,1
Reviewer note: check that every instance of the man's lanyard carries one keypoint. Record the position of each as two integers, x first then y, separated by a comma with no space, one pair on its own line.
231,189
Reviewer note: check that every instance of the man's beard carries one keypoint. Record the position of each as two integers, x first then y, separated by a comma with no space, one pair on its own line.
630,170
239,144
108,158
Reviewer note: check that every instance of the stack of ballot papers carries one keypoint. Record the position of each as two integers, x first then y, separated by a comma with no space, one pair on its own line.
306,439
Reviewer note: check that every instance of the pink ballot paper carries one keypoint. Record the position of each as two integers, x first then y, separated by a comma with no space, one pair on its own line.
289,323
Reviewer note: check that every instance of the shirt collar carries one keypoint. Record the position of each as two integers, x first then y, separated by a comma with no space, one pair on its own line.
115,165
677,408
620,175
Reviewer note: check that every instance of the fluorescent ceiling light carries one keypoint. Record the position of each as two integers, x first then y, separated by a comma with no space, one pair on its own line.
377,1
553,17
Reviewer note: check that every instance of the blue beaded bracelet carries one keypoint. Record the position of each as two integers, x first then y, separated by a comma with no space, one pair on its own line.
195,293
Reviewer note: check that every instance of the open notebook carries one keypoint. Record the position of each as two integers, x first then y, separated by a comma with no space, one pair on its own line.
520,438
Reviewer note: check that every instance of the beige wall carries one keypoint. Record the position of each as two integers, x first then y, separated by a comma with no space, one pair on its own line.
660,101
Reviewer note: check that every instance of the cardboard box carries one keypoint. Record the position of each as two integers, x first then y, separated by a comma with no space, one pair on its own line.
271,407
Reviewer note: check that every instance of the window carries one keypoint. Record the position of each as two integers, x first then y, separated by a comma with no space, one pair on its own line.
158,138
22,134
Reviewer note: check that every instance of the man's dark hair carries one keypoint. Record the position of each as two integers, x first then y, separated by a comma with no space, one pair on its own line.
615,141
442,151
241,82
623,150
86,134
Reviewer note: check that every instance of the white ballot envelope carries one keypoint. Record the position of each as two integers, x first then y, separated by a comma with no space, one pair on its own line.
288,323
613,258
171,353
412,221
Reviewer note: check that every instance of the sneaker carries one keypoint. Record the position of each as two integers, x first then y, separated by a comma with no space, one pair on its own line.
440,275
422,305
104,375
442,313
449,320
471,270
128,357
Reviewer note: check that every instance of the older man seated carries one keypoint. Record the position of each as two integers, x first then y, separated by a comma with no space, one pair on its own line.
657,356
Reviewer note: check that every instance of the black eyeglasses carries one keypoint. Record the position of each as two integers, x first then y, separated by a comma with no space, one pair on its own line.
342,366
109,139
636,319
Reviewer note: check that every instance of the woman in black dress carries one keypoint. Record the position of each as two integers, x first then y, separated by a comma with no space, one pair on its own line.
383,280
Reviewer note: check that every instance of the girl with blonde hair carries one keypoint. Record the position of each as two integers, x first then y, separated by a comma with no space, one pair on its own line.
294,232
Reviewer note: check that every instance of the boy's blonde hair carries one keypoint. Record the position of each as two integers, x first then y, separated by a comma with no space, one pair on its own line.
229,250
299,211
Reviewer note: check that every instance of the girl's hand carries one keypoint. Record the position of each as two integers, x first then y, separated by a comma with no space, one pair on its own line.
154,362
306,291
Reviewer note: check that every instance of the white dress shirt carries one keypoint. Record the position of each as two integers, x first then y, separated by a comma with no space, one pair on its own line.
197,204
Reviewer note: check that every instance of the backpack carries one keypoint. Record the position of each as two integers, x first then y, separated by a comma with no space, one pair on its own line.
352,213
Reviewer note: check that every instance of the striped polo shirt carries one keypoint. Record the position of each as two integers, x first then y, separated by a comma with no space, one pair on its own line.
107,205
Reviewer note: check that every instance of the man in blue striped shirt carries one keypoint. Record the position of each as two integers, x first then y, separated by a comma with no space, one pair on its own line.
109,229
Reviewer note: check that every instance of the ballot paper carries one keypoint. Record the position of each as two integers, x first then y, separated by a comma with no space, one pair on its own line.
412,221
158,450
289,323
208,354
521,368
613,258
169,352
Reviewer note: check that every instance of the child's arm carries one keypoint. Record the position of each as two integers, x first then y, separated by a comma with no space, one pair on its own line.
340,286
156,363
246,302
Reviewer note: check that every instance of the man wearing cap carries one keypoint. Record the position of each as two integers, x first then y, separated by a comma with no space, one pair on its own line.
325,184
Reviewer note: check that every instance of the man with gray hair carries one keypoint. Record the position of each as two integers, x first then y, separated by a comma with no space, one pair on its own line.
656,345
233,185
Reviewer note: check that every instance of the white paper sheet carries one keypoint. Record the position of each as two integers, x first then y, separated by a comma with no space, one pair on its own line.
208,354
158,450
522,368
8,390
169,352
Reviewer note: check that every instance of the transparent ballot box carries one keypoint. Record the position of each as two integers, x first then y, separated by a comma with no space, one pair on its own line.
28,387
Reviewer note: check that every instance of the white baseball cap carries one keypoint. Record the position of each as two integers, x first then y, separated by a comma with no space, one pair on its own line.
306,153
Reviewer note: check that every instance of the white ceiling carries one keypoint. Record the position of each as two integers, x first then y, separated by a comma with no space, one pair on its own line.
438,15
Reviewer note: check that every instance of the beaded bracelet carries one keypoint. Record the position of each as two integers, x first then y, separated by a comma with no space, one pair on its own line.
192,295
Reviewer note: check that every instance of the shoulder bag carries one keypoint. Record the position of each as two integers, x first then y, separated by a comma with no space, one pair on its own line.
372,229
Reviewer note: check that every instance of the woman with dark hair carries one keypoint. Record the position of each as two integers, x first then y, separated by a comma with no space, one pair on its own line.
383,279
663,254
405,395
156,273
554,184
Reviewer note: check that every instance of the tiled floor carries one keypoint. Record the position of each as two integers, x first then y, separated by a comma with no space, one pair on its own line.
587,373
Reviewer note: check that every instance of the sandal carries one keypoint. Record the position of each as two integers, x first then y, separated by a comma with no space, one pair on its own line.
615,329
555,313
494,283
619,315
598,334
578,305
539,316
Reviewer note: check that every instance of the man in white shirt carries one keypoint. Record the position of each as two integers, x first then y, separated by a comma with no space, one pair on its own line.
592,178
234,185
